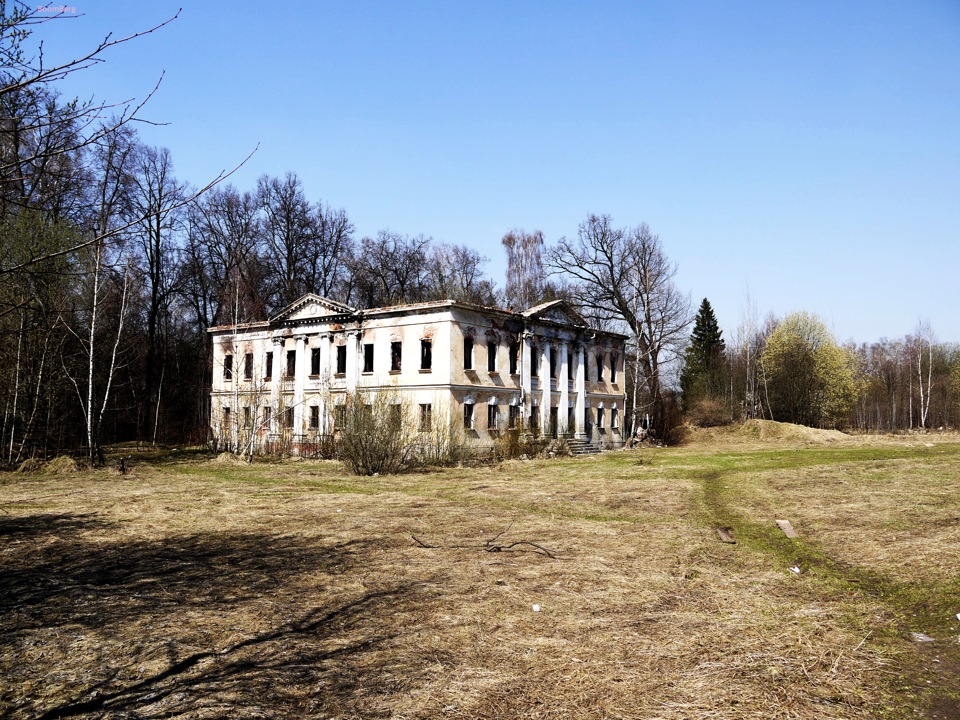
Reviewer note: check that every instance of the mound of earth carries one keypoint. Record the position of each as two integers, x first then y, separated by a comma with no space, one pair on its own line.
788,432
226,458
62,465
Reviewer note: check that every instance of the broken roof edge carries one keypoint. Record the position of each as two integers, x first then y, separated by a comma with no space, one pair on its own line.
530,314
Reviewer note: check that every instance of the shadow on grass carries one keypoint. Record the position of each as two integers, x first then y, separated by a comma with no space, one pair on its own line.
205,625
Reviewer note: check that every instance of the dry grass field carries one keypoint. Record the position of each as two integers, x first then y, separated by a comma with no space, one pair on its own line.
577,588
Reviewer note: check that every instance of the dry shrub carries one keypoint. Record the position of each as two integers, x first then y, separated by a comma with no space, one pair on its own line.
514,443
709,412
374,438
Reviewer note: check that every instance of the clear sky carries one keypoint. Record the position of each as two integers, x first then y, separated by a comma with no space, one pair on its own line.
806,152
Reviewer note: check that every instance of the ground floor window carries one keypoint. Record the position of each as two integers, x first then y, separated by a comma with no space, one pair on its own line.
314,417
514,417
468,416
493,418
426,417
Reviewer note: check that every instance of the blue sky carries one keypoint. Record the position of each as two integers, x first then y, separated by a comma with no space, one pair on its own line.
805,153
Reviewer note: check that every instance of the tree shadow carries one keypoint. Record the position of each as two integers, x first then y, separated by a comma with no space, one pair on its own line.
220,624
274,674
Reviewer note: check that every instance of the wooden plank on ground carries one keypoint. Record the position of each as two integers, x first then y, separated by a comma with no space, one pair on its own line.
787,529
726,535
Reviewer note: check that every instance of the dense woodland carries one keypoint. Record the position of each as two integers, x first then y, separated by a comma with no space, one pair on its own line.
112,268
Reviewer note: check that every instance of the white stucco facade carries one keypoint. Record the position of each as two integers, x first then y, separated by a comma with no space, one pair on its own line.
281,380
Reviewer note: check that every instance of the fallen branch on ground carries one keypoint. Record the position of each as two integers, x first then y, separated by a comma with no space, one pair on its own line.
490,546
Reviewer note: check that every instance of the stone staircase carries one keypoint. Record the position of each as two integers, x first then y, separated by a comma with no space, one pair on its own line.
582,447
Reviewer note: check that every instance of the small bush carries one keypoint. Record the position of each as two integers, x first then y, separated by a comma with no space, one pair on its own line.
374,437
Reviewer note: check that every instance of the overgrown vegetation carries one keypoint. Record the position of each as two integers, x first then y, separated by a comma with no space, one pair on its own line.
204,589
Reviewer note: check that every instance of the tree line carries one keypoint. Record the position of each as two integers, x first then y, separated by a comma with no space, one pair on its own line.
792,369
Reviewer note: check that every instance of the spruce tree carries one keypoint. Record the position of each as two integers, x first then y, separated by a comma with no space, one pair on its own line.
703,359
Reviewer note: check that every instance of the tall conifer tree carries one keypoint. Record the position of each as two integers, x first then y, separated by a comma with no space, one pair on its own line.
703,359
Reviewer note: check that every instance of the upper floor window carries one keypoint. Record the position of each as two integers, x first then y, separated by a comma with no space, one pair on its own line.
315,361
268,366
552,362
468,353
534,360
426,354
395,355
514,355
248,366
341,359
228,367
368,357
291,363
491,356
569,365
599,367
614,362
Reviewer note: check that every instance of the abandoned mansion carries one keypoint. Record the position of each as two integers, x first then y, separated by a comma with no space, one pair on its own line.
286,380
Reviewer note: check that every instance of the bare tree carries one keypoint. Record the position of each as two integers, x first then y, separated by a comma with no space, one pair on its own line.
624,275
526,276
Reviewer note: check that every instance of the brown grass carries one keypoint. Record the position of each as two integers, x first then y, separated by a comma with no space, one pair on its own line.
212,589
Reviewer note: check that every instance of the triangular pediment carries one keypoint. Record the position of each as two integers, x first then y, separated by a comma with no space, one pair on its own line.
311,306
559,311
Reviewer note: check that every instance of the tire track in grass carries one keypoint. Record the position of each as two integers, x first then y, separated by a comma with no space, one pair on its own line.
929,672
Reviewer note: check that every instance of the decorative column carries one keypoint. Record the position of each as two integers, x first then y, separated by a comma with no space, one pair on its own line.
278,365
545,399
299,384
581,385
526,383
563,405
324,379
353,353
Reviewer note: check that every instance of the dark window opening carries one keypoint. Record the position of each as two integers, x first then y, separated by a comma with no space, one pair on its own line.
314,417
514,354
368,357
395,417
534,360
288,418
426,355
468,353
426,417
599,368
491,356
226,418
553,364
268,372
468,416
554,422
341,359
315,361
248,366
291,363
614,361
246,416
513,416
228,367
395,355
493,418
569,366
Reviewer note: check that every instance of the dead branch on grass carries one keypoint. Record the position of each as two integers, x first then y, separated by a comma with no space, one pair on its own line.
490,545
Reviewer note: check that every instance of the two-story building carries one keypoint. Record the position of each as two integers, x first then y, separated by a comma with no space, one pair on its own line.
542,370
